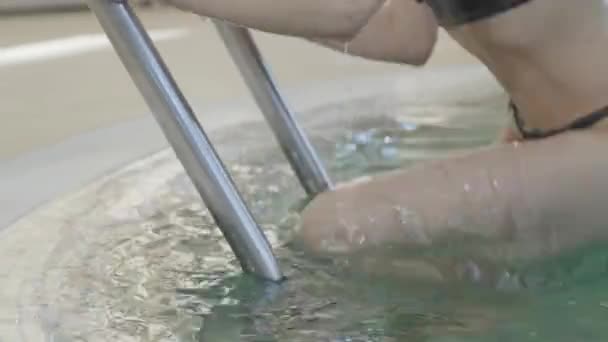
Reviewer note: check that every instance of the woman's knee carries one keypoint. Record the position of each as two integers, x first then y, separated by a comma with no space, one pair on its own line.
355,216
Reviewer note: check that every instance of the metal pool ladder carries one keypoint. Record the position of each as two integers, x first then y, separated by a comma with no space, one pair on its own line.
189,141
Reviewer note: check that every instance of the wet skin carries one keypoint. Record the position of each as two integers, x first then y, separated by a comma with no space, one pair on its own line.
537,197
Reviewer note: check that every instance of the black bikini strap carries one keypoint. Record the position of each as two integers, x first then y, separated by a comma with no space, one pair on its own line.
581,123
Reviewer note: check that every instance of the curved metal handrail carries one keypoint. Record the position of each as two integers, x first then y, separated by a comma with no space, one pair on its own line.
189,141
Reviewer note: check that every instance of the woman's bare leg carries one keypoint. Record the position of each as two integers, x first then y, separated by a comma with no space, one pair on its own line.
401,31
535,198
338,19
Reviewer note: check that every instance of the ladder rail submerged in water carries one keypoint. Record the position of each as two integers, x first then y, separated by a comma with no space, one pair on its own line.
189,141
186,136
294,143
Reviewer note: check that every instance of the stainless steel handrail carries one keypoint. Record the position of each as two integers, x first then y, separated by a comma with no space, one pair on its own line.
187,137
294,143
189,141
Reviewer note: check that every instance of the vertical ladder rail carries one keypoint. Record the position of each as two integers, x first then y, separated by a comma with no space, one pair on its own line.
294,143
186,136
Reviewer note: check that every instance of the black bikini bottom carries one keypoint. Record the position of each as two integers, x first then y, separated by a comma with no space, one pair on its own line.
583,122
458,12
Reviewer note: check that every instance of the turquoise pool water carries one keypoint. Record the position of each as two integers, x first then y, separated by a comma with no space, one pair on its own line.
159,270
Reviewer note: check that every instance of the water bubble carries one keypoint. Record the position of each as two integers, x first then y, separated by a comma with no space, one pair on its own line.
343,339
472,271
389,152
362,138
350,147
345,151
273,189
408,126
508,282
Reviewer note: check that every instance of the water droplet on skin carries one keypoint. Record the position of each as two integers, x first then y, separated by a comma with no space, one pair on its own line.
333,246
352,231
467,188
495,184
412,225
362,240
403,215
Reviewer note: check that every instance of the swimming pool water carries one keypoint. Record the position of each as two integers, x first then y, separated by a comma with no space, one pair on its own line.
146,262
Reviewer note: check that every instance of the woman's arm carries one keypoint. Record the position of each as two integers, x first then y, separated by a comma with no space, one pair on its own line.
533,199
330,19
400,31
